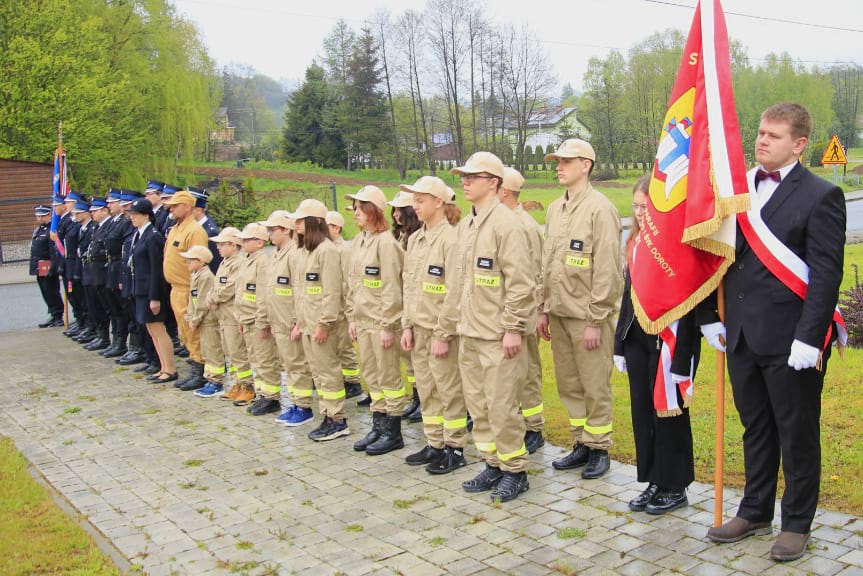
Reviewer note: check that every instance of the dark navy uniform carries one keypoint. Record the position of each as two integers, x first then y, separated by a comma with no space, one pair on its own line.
72,268
47,279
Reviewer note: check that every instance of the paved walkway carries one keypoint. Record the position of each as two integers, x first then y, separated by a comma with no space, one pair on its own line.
182,485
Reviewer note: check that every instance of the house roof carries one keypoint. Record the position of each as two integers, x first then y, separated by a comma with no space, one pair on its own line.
549,116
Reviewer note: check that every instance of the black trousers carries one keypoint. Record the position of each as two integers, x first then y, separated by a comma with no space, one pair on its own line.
77,301
663,446
49,286
98,316
110,301
780,409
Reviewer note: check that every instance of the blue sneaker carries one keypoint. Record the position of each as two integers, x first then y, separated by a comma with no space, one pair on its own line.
299,417
283,417
209,390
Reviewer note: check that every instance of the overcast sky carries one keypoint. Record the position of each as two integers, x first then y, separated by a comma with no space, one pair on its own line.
281,37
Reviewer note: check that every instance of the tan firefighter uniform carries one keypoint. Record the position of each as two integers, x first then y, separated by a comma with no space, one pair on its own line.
496,295
320,304
531,396
583,283
281,312
181,237
430,264
347,353
251,303
206,322
222,296
375,295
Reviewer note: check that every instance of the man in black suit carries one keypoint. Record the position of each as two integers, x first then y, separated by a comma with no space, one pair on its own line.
95,257
778,342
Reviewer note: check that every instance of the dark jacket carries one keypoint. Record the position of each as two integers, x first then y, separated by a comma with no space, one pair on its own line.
71,239
96,261
147,255
85,235
806,214
120,227
212,230
688,333
40,247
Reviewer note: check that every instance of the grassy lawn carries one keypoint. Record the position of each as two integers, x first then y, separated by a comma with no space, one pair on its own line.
37,537
842,451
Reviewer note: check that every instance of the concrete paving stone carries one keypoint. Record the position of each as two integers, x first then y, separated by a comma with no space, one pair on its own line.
709,569
507,562
650,553
481,551
622,543
820,566
854,557
830,534
749,564
638,567
851,571
828,549
585,549
443,556
465,567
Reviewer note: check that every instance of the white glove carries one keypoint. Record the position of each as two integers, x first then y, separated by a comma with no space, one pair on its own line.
678,378
713,332
802,355
620,363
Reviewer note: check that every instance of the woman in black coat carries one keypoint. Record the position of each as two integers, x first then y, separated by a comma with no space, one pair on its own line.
663,443
148,285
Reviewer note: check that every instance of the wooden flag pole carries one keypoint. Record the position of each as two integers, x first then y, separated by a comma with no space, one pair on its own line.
719,471
66,280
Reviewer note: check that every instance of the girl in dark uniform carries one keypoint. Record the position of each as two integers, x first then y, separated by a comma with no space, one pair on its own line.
663,442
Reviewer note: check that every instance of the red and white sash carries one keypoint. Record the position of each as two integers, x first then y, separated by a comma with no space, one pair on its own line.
781,261
664,389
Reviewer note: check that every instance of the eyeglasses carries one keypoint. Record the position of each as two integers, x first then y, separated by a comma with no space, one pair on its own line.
639,207
468,178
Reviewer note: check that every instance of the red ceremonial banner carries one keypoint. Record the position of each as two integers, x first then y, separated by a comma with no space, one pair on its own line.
686,242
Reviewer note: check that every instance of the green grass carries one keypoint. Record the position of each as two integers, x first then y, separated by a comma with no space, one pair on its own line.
37,537
570,533
842,452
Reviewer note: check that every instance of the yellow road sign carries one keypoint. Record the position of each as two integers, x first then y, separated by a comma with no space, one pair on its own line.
835,153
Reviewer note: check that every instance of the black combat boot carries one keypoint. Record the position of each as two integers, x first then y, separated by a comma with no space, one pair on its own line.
378,419
390,440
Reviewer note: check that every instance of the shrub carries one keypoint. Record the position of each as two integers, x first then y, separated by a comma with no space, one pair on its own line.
851,305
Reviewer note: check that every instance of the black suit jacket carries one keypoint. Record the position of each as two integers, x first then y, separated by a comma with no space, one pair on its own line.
807,214
147,255
96,268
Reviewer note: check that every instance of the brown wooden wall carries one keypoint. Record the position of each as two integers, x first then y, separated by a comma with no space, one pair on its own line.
23,185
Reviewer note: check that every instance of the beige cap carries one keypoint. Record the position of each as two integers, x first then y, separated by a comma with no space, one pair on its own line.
371,194
451,198
512,179
573,148
402,200
280,218
335,219
198,252
254,230
481,162
228,234
310,208
429,185
181,197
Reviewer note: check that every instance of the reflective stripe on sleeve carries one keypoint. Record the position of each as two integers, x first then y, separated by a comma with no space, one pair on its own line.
528,412
509,456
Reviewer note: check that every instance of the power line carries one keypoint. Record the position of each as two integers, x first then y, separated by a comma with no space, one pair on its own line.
766,18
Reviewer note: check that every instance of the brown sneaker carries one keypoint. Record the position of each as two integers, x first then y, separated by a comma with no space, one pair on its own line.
231,394
244,396
737,529
789,546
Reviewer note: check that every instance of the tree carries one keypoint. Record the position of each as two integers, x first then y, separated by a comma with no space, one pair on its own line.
338,47
604,96
363,112
311,132
847,83
383,27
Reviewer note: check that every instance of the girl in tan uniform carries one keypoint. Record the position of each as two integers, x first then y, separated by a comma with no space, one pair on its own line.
375,310
319,308
221,301
429,268
281,311
405,223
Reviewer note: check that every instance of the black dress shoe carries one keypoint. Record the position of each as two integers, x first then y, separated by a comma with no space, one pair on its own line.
130,358
452,459
365,401
192,384
597,465
639,503
533,441
73,329
56,323
510,486
84,335
151,369
181,351
485,480
47,322
162,377
98,344
666,500
119,351
575,459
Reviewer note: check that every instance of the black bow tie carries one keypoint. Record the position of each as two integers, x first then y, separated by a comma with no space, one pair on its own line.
765,175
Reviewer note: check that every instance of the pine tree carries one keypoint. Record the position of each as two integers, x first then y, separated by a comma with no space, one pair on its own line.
310,132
